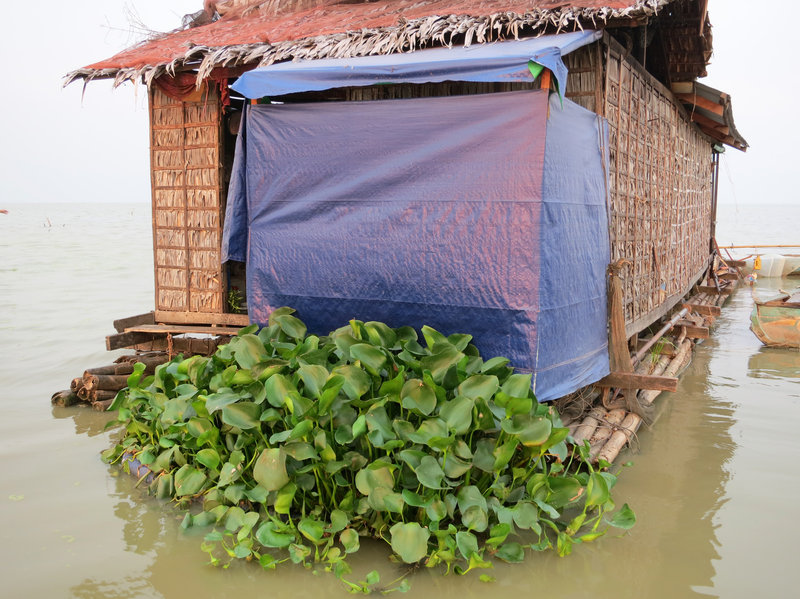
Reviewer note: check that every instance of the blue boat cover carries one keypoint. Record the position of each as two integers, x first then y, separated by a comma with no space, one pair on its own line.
483,214
501,61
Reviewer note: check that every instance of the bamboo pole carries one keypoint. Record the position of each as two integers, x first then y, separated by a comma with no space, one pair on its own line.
606,428
745,247
619,438
647,397
64,398
588,425
101,405
106,382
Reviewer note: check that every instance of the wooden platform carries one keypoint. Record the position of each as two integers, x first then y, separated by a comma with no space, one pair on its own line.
154,331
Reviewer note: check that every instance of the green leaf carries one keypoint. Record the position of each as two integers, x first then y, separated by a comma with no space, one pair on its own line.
311,529
270,469
409,541
440,362
248,350
369,479
208,458
467,543
526,516
284,499
429,473
278,388
563,490
244,415
455,466
430,429
513,553
349,539
530,430
370,356
300,451
356,381
294,327
518,385
269,536
380,334
457,413
624,518
224,397
418,397
596,490
475,518
188,481
479,385
314,378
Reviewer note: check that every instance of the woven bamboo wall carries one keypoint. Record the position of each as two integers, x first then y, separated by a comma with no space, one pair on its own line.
187,225
660,190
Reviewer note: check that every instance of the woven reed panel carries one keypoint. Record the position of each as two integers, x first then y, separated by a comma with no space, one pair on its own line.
585,78
187,224
660,190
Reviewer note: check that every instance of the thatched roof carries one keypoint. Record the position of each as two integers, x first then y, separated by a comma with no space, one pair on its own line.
255,33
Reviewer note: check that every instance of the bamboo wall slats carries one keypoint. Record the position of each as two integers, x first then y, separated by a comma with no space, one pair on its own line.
187,225
660,190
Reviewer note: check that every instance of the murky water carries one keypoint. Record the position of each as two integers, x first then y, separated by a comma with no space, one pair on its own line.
714,482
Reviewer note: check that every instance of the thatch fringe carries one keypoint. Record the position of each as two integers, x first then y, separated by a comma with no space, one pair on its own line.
406,36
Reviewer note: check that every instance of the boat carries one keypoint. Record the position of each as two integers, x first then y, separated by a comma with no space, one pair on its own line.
775,320
772,265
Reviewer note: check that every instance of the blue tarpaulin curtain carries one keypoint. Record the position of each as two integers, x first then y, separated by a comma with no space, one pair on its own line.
500,61
475,214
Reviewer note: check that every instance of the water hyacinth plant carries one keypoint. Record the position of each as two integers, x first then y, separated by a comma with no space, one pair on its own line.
295,446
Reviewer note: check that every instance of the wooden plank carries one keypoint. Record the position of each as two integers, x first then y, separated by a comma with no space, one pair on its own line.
168,317
187,346
704,309
729,276
702,103
735,263
180,329
132,321
692,330
714,290
129,339
629,380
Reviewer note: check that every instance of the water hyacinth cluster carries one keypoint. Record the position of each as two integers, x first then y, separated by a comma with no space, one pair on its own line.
295,446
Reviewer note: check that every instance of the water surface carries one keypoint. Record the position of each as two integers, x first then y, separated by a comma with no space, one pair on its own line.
713,483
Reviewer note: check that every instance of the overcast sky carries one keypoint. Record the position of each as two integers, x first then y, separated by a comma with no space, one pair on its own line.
58,147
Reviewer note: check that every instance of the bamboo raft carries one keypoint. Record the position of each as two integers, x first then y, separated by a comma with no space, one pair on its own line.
606,420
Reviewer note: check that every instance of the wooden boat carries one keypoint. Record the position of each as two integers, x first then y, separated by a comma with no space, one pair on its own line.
776,322
772,265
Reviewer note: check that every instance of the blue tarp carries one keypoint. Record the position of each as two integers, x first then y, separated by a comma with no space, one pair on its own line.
483,214
501,61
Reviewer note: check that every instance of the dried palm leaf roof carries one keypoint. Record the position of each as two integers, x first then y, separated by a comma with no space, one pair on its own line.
254,33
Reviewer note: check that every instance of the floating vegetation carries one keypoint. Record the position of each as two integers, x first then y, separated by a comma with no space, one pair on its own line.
296,446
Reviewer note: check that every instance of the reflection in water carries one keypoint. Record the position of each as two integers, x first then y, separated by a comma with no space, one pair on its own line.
774,363
87,421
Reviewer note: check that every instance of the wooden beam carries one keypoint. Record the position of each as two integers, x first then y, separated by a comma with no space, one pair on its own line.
628,380
704,309
177,329
129,339
692,330
711,124
702,103
188,346
729,276
168,317
132,321
714,290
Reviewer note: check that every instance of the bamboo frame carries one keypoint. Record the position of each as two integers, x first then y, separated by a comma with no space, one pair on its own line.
185,150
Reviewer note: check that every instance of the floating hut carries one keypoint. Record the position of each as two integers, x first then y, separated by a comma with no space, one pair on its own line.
471,165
